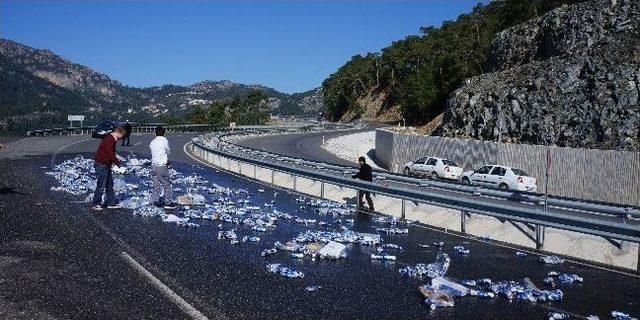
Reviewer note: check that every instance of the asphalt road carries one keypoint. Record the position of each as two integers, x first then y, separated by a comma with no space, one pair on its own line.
300,145
58,260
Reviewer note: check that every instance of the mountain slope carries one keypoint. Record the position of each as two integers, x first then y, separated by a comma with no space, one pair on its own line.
413,77
569,78
40,88
27,100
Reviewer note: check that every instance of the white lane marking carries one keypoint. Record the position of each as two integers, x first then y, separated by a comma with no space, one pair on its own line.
135,144
175,298
55,154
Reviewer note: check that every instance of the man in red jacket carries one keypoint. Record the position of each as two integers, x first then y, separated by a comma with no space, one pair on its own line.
106,157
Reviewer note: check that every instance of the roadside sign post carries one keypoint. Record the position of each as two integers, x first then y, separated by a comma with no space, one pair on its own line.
72,118
546,179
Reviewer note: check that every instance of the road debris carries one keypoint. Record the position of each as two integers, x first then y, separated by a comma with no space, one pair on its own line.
552,260
286,272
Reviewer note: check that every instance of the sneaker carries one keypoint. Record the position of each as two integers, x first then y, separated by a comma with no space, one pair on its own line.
114,206
171,205
96,207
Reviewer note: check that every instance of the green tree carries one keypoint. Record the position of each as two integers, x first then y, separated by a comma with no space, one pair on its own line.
217,115
197,116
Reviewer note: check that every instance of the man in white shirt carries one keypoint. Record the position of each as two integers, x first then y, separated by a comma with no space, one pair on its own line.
160,170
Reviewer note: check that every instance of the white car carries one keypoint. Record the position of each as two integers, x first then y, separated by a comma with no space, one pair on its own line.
501,177
434,168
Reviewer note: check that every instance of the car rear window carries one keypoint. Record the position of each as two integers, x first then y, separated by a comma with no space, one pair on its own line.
519,172
449,163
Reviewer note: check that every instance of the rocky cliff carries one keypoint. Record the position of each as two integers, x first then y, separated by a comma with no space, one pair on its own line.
569,78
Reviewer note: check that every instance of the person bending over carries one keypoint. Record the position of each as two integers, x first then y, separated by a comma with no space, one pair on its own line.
160,170
104,158
364,174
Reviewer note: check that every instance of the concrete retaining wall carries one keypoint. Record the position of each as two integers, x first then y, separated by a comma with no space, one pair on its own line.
600,175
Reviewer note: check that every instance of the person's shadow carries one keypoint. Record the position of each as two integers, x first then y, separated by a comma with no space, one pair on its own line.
10,190
350,200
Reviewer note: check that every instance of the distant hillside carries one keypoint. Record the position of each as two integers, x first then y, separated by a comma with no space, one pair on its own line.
39,88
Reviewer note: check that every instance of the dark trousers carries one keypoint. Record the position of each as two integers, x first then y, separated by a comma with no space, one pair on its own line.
126,138
367,195
105,182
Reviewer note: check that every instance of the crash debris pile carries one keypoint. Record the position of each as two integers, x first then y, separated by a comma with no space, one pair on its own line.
443,290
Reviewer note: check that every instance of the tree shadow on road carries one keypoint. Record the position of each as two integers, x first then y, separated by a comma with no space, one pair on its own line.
10,190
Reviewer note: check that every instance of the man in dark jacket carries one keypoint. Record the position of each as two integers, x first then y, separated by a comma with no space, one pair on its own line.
103,160
364,174
127,134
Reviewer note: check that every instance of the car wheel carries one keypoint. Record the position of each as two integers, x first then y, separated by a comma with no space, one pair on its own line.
407,171
466,180
434,175
503,186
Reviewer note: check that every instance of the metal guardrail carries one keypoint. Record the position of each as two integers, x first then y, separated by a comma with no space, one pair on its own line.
597,227
149,127
624,212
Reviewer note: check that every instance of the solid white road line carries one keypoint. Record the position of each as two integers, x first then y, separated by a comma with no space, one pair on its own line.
53,158
175,298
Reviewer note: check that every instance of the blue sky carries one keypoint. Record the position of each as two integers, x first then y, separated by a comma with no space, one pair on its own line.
288,45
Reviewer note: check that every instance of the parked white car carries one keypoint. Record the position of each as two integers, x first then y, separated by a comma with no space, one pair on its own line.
501,177
433,167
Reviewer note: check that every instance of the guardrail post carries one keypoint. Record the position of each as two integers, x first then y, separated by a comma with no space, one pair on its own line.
463,221
295,179
273,173
403,210
539,237
255,174
322,190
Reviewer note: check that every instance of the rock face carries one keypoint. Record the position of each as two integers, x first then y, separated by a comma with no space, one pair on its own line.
569,78
311,101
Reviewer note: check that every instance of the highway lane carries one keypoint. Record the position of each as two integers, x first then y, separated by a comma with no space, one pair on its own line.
215,276
55,263
300,145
